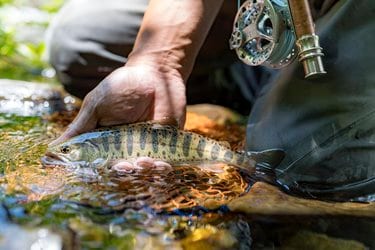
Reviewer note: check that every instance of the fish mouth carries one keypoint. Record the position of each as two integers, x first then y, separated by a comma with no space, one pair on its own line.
51,160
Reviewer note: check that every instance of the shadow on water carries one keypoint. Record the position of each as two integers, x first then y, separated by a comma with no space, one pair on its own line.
183,208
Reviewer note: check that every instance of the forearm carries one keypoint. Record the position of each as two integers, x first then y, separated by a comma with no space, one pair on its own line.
172,33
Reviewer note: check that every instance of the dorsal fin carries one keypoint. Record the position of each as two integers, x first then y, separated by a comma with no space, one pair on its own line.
268,159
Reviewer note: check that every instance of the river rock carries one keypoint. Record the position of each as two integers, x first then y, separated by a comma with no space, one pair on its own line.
312,241
221,115
265,199
33,99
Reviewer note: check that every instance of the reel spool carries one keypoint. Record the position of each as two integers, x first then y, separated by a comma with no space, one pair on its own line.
263,33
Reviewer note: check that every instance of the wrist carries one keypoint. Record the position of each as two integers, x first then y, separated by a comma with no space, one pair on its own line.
172,33
162,61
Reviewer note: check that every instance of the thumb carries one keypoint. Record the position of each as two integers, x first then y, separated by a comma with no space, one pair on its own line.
84,122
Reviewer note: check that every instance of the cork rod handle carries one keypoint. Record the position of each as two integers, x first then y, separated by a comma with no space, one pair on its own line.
302,19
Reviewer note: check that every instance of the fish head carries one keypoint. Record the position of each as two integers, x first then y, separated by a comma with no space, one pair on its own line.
71,151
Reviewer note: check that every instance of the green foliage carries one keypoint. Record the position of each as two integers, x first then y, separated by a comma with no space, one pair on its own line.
22,60
3,2
12,123
52,6
8,45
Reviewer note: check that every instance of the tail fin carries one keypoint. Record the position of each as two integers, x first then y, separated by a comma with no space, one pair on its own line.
267,159
266,162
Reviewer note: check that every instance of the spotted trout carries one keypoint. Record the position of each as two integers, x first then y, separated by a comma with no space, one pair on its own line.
159,142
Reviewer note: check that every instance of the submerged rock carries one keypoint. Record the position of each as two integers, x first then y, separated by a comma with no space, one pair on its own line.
221,115
4,214
42,238
33,99
311,241
265,199
15,237
209,237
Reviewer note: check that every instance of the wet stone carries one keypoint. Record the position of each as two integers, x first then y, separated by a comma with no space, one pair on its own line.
14,237
267,200
221,115
312,240
209,237
33,99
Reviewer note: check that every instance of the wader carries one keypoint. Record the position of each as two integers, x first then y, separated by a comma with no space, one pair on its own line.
325,125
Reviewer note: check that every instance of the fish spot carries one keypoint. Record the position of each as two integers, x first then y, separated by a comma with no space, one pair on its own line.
186,144
154,141
143,138
215,150
105,143
138,154
129,141
201,146
240,158
117,135
228,156
173,142
164,133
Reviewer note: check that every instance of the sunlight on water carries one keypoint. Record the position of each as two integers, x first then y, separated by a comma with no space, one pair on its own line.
146,208
179,208
183,187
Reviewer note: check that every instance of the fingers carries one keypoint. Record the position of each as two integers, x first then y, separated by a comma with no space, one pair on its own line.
147,162
144,162
126,167
182,120
85,120
168,121
162,165
178,122
65,136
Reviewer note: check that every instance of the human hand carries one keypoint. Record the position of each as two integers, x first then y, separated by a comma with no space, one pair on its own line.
131,94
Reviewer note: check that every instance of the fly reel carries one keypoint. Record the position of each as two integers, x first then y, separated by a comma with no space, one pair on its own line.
263,33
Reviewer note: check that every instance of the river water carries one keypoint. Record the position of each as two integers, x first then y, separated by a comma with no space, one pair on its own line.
183,208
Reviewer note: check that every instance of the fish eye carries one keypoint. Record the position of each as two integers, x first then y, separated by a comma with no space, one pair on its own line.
65,149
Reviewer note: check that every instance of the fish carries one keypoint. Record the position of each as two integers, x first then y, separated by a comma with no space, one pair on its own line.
159,142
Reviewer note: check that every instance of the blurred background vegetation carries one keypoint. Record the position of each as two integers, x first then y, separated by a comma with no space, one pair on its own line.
22,29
